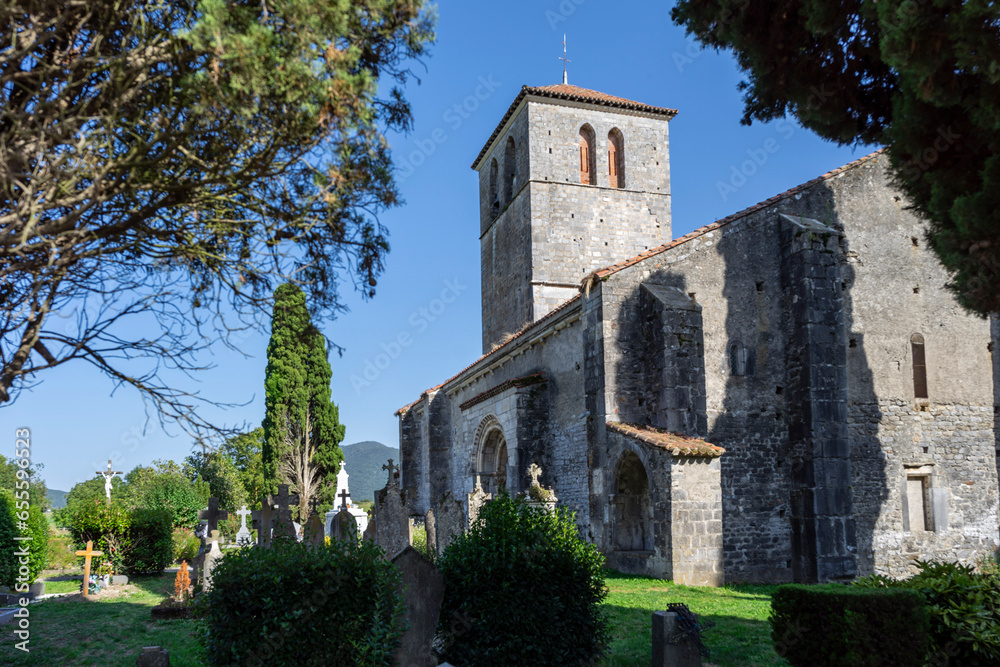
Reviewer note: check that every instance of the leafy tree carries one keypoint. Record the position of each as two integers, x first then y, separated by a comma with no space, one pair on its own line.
299,414
918,77
164,485
85,494
244,450
9,470
171,162
216,469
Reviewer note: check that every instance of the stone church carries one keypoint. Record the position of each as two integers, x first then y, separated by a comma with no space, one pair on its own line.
788,393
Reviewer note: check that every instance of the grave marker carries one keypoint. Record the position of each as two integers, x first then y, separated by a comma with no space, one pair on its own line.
449,521
423,591
243,537
87,553
212,515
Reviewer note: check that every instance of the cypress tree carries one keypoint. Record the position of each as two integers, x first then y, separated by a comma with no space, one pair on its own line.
297,391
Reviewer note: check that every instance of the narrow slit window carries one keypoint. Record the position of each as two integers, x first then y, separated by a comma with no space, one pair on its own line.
916,504
510,171
588,174
494,193
919,366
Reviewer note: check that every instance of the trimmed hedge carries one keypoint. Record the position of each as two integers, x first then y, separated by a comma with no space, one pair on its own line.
963,608
843,626
12,512
297,604
522,588
151,537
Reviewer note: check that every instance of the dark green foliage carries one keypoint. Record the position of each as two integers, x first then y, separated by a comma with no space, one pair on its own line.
918,77
522,588
164,485
185,545
150,537
964,611
297,604
834,625
297,388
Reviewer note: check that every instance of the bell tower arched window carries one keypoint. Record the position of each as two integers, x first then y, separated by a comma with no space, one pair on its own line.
510,171
616,159
588,168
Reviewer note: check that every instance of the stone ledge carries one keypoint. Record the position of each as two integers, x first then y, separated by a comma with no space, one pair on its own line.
678,445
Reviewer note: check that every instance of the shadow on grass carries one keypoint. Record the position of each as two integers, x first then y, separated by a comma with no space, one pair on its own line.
733,641
105,631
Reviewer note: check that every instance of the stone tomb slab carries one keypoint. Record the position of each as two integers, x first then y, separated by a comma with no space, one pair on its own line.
423,592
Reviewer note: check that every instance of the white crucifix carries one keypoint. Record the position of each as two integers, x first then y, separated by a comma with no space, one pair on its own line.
243,537
108,476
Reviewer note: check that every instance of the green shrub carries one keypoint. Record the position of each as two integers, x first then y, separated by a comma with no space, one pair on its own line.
185,545
107,526
150,543
419,542
843,626
522,588
988,563
297,604
62,551
963,607
13,512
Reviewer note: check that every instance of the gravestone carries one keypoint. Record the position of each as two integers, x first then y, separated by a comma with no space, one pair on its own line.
538,495
430,526
263,522
208,562
212,515
153,656
392,520
449,521
243,536
369,533
343,526
671,648
423,592
314,532
284,525
477,499
119,580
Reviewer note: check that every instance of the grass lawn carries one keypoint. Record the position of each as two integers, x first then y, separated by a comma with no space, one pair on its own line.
104,630
111,631
741,636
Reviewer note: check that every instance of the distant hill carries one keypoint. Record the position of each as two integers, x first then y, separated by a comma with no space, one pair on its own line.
364,465
57,498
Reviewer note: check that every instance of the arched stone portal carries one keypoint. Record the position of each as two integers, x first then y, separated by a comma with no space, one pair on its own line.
491,460
632,511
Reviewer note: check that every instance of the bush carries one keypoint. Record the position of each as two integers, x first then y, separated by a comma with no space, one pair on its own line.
522,588
185,545
419,542
267,604
12,513
840,625
963,608
62,551
151,546
107,526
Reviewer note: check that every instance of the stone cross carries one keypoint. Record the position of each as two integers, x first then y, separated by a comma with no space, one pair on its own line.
243,536
283,502
344,496
213,514
108,476
535,472
87,553
393,469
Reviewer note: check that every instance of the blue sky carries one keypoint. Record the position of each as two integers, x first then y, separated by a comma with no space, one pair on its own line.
424,324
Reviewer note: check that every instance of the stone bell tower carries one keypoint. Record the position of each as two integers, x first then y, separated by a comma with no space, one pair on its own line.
570,181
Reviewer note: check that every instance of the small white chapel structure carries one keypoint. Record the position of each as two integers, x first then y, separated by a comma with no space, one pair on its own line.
360,516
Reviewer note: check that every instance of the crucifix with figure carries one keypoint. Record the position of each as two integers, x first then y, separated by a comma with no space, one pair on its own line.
108,475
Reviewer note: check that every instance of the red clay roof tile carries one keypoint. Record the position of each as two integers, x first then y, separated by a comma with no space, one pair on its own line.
678,445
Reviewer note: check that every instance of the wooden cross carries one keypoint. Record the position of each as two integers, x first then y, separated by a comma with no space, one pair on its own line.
393,469
86,564
534,472
213,514
344,497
